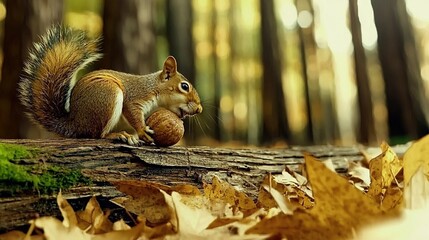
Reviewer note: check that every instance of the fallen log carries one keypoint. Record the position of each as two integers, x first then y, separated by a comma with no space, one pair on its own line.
103,162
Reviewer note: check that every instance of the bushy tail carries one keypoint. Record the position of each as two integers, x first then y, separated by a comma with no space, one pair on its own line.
50,74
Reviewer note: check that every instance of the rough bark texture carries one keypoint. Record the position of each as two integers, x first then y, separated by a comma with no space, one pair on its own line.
104,162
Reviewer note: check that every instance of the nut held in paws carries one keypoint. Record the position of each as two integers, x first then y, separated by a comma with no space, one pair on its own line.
168,127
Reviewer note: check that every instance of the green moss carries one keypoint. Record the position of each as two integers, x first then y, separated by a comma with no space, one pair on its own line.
14,152
40,177
56,178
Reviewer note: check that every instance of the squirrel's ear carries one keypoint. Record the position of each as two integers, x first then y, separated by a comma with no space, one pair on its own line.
170,67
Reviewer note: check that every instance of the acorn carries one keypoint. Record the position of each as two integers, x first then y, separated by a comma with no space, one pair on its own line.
168,127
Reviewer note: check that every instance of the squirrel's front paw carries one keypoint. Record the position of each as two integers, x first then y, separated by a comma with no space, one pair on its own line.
124,137
144,135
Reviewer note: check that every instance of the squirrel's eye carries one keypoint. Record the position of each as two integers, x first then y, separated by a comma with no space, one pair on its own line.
184,86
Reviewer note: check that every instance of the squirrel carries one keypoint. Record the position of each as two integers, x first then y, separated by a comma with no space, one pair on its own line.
101,104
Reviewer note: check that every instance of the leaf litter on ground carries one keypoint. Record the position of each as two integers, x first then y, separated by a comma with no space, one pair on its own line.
388,200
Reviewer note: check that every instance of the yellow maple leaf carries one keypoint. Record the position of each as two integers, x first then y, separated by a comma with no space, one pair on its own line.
383,170
337,201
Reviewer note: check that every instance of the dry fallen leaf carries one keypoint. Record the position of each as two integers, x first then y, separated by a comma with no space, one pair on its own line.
393,198
145,200
227,193
329,164
339,209
413,222
93,220
120,225
67,211
416,162
383,169
54,229
134,233
189,190
416,192
189,220
359,173
282,202
299,226
292,185
12,235
337,201
286,178
194,223
415,157
265,199
237,229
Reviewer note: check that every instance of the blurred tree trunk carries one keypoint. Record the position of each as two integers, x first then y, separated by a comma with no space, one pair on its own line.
218,92
129,36
275,123
406,102
316,127
309,89
180,42
179,36
25,21
366,131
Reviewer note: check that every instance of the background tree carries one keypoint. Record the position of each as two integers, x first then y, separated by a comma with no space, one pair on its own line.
25,21
275,123
366,129
129,39
405,98
265,70
179,35
180,43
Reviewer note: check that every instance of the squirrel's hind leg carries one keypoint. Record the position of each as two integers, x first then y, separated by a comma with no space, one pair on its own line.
115,114
115,120
95,117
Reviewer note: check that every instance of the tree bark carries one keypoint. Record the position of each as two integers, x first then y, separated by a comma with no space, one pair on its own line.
104,162
25,21
406,103
366,130
275,123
